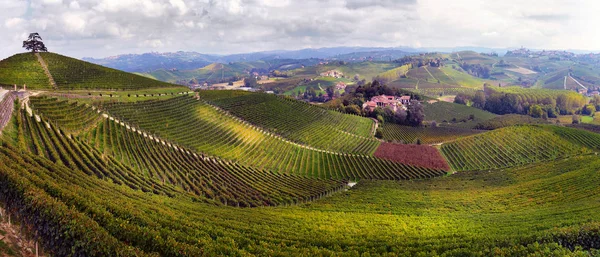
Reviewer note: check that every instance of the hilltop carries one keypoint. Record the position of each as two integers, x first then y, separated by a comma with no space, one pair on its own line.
69,74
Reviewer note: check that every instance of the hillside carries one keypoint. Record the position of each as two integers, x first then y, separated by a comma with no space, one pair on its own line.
298,121
23,69
70,74
455,115
206,129
115,164
512,146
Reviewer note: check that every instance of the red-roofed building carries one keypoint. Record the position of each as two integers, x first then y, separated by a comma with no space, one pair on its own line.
384,101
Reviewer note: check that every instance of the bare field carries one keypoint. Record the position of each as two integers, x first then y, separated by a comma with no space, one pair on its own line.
522,70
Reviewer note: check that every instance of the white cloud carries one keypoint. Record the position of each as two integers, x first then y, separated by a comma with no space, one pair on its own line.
107,27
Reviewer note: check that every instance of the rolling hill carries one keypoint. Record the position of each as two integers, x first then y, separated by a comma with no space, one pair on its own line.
70,74
232,173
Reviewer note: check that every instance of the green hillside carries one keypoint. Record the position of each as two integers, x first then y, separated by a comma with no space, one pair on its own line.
115,164
429,135
513,212
203,128
23,69
298,121
511,146
73,74
451,114
70,74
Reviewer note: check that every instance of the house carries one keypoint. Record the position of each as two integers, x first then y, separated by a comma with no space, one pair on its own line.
384,101
332,73
340,86
369,106
594,93
405,99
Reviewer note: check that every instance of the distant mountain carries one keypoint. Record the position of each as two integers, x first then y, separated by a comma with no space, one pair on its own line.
149,62
154,61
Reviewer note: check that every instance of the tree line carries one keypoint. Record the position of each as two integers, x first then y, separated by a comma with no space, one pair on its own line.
531,102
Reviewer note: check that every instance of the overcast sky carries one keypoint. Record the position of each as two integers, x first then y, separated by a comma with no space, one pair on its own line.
100,28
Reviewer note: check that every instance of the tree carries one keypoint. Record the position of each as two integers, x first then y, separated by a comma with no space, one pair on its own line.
330,90
34,43
479,100
416,114
535,111
589,109
250,82
353,109
378,133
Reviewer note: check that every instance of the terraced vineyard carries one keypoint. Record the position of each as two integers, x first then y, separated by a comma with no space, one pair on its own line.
72,117
508,147
298,121
105,219
22,69
203,128
142,163
428,135
73,74
578,136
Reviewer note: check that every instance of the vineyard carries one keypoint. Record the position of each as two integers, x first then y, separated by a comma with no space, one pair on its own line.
23,69
457,115
418,155
437,92
425,135
129,166
298,121
69,116
142,163
73,74
206,129
105,219
508,147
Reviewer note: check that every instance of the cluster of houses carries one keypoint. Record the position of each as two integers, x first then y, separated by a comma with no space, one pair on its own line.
340,86
524,52
332,73
393,102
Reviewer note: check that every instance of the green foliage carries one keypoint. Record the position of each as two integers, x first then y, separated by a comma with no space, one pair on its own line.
588,109
535,111
508,120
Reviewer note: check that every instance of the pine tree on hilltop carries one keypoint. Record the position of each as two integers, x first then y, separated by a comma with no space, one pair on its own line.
34,43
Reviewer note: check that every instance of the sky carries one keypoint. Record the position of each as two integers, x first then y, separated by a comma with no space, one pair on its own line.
101,28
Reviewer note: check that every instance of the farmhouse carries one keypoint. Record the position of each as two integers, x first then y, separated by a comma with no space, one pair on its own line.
332,73
384,101
340,86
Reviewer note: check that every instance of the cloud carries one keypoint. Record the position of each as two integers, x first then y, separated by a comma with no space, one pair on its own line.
356,4
106,27
548,17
